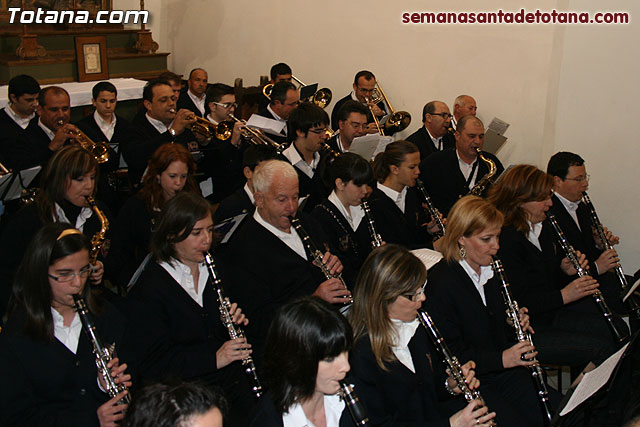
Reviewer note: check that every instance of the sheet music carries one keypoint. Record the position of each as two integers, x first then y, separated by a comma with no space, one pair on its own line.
593,381
369,145
428,257
227,227
27,175
266,124
632,289
498,126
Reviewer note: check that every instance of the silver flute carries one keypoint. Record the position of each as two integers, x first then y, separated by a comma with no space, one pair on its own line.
234,330
103,354
513,311
431,209
376,239
597,296
358,414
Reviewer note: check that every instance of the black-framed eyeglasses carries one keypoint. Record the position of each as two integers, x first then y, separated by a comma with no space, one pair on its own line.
417,294
68,276
443,115
318,131
226,105
580,178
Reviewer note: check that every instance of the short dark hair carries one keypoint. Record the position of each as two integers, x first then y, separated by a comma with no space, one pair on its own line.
302,333
254,154
368,75
176,222
171,77
279,69
306,116
147,92
55,90
103,86
560,163
19,85
163,405
462,123
429,108
194,70
349,107
349,167
279,91
216,91
393,155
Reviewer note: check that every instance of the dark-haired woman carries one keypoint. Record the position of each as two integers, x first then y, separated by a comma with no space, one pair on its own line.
340,215
395,203
67,180
170,171
176,313
48,372
398,374
306,356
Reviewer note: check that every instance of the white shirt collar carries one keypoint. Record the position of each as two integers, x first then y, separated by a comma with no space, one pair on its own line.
479,280
436,141
403,332
570,206
160,127
23,122
182,274
333,407
353,216
534,234
290,239
211,119
340,145
51,134
278,118
249,193
292,154
67,335
85,213
106,128
198,101
354,97
466,169
398,198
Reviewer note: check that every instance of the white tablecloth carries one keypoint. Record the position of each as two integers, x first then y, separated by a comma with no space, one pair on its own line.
81,92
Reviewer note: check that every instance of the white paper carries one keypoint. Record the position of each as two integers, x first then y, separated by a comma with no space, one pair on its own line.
428,257
593,381
368,146
266,124
632,289
15,191
498,126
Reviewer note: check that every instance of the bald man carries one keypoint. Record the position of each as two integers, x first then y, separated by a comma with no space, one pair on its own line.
193,96
464,105
434,135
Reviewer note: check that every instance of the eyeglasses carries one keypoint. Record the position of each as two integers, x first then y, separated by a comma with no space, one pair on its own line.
68,276
580,178
365,90
226,105
443,115
417,294
318,131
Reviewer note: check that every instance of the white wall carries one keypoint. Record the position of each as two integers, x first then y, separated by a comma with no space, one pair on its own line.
560,87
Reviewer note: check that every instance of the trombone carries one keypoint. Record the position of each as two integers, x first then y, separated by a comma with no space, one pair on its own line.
99,150
397,121
321,98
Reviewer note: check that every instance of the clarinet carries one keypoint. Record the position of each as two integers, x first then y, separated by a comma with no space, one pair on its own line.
597,296
356,409
455,369
431,209
234,331
376,239
103,354
317,255
522,336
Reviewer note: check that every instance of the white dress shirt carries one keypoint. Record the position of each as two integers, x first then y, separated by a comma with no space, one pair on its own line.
83,216
278,118
398,198
479,280
199,101
51,134
534,234
290,239
333,407
353,216
249,193
403,332
106,128
571,207
437,142
466,170
160,127
292,154
67,335
23,122
182,274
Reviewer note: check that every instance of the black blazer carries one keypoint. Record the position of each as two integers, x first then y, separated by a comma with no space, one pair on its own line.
422,140
10,133
44,383
185,101
89,126
444,180
399,397
314,187
236,203
222,161
30,149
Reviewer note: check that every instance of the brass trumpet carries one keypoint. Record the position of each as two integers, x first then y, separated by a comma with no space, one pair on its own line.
202,126
397,121
321,98
255,136
99,150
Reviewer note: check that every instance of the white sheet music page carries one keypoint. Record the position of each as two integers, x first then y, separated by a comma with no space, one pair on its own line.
428,257
593,381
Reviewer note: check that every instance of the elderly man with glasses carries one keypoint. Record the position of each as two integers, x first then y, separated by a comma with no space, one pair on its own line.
435,134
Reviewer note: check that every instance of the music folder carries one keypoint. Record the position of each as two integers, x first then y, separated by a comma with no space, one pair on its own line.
12,184
494,137
308,91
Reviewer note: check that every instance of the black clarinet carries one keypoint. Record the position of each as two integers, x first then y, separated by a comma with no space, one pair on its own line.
523,336
356,409
376,239
235,331
597,296
431,209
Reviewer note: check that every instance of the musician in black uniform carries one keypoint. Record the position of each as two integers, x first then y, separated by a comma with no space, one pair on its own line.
48,372
305,358
537,269
278,72
364,84
15,117
352,123
464,299
450,174
175,309
285,98
397,372
434,135
193,96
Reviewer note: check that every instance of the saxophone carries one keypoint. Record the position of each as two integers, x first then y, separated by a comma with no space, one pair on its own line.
358,414
97,241
103,354
234,331
431,210
522,336
486,180
376,239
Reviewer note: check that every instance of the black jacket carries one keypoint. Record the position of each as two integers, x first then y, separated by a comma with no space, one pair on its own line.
422,140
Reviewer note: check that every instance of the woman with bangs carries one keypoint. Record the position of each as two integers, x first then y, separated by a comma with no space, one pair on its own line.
170,171
465,300
67,180
539,271
306,357
398,374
